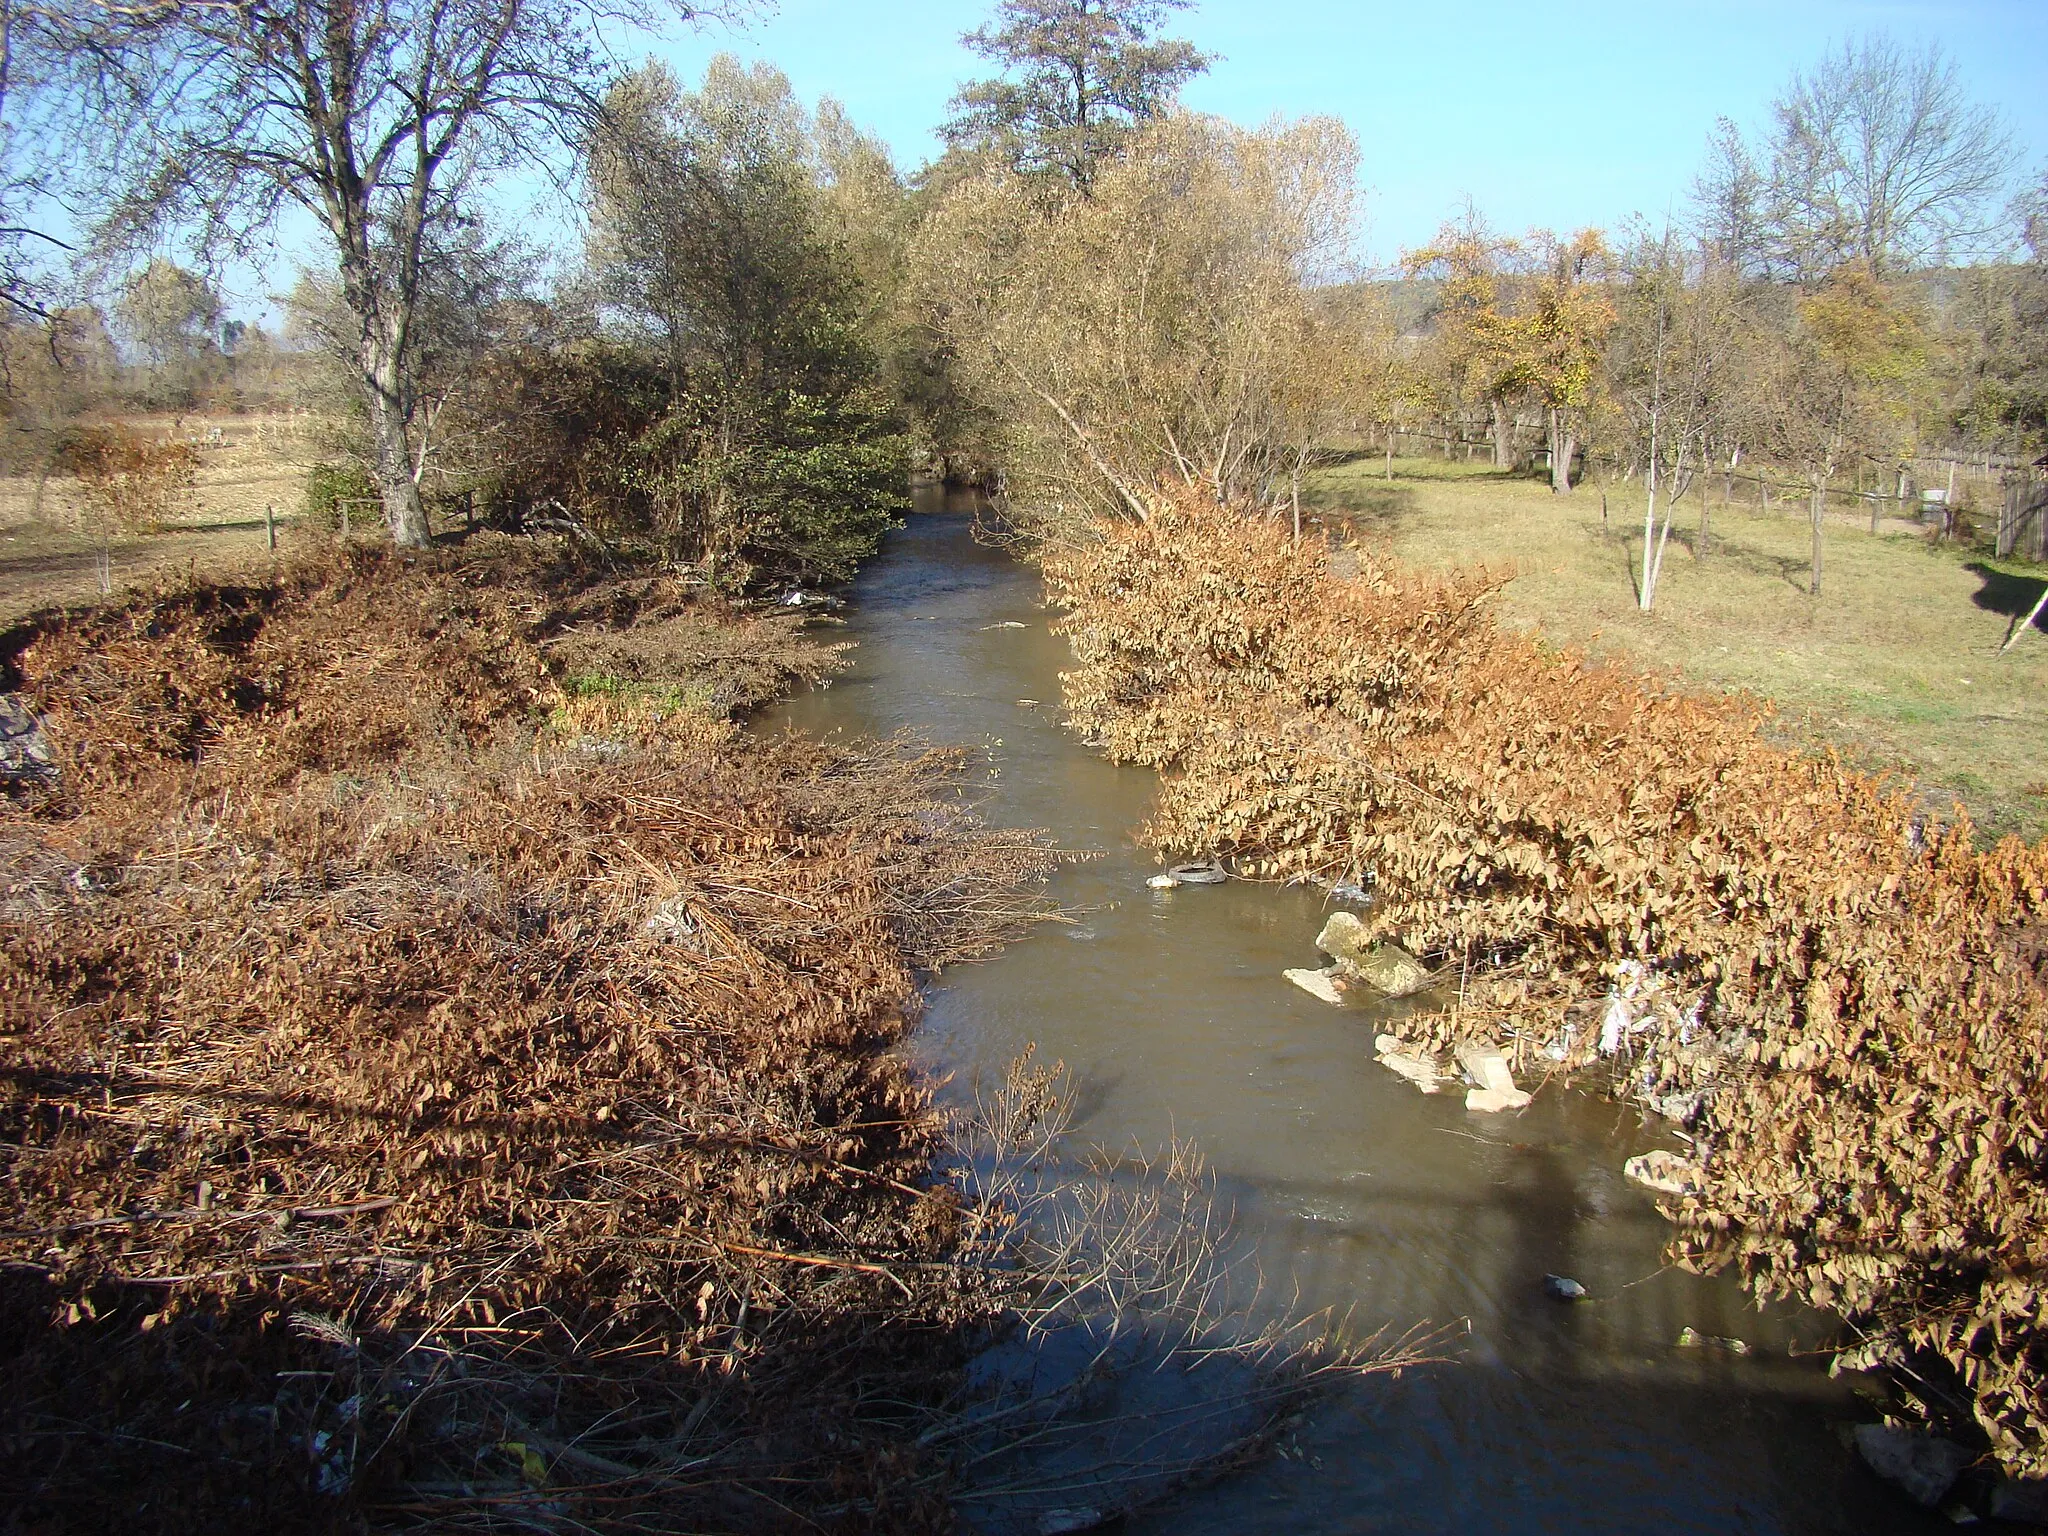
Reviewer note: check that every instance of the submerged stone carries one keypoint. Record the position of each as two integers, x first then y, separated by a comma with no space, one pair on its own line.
1563,1288
1925,1465
1411,1062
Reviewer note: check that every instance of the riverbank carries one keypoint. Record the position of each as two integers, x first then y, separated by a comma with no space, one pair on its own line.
1896,663
446,1066
1855,1029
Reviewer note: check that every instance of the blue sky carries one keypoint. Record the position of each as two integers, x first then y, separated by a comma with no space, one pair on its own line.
1561,116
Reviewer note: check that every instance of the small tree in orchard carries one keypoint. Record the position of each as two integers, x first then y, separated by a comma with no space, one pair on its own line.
172,320
378,120
1841,385
1560,339
1477,336
1670,364
1385,382
1078,77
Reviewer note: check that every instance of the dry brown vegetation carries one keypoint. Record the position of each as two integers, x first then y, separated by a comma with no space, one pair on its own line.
430,1094
1856,997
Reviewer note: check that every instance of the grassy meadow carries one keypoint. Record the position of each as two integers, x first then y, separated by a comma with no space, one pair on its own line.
1896,664
48,554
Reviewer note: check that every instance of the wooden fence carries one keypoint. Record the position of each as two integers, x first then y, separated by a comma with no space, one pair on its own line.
2023,515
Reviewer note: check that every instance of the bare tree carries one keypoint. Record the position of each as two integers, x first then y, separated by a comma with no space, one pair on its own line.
379,119
1670,366
32,38
1877,155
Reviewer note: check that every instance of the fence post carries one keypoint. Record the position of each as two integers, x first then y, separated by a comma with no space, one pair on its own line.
270,525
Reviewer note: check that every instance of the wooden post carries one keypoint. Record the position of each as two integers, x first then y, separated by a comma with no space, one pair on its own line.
270,525
344,520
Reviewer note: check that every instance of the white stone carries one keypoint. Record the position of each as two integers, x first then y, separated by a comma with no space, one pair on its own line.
1417,1066
1321,984
1665,1172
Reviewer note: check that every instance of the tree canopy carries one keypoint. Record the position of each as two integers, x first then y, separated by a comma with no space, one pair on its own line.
1077,77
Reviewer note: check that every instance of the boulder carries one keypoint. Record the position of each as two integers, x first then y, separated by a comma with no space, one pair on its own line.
1386,968
1418,1066
1925,1465
1326,984
1665,1172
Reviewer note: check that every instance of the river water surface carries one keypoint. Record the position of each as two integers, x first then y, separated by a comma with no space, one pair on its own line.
1355,1190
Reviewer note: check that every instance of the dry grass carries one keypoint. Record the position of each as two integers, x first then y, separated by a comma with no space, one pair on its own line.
1895,663
259,460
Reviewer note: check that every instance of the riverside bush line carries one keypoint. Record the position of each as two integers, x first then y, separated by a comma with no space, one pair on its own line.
432,1097
1858,998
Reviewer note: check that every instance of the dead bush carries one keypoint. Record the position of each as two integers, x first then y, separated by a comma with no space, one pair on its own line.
426,1100
127,481
1851,1003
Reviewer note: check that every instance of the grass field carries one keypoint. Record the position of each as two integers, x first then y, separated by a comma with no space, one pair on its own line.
1896,663
255,461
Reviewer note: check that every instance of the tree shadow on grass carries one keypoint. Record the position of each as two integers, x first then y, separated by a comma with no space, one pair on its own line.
2004,593
1371,505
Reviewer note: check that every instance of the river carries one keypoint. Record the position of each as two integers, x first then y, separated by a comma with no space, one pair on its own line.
1354,1190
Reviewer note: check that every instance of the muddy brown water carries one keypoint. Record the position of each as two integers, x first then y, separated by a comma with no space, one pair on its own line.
1354,1190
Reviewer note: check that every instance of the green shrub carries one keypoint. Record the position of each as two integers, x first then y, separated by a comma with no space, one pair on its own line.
330,487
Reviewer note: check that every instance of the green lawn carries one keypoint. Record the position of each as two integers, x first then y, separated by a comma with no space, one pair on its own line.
1895,663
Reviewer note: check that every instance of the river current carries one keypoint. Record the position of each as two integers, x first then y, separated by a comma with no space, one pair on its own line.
1354,1190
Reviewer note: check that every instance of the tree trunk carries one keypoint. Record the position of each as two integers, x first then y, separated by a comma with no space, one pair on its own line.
1503,437
383,393
1646,593
1817,510
1390,450
1563,444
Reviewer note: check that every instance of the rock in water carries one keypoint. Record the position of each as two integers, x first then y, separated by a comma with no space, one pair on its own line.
1563,1288
1323,984
1665,1172
1418,1066
1208,873
1496,1088
2023,1500
1387,968
1925,1465
1344,937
